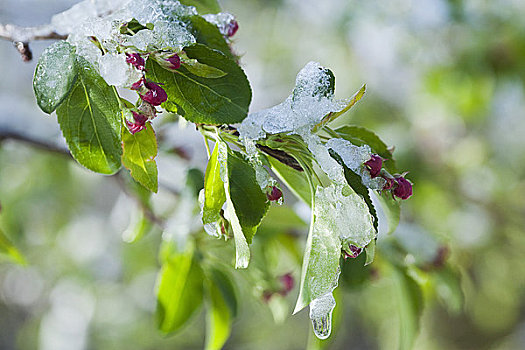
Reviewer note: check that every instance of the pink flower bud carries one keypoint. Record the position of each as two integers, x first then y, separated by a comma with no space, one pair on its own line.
174,61
403,189
136,60
155,94
275,194
233,26
374,165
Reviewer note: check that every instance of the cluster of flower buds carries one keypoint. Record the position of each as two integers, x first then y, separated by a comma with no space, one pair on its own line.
152,94
287,283
400,187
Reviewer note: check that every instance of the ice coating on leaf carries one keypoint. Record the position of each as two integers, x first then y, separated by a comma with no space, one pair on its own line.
376,183
115,71
54,75
155,11
65,22
354,157
310,101
222,20
100,20
321,315
340,210
321,257
328,164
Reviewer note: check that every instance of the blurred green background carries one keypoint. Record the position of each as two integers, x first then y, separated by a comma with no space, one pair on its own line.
445,86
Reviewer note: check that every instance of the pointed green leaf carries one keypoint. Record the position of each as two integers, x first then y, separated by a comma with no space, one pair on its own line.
140,150
90,121
55,75
214,195
203,70
334,115
203,6
246,204
221,100
208,34
180,290
9,250
362,136
221,310
248,199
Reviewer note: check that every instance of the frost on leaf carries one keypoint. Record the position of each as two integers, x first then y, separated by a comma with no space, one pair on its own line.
310,101
340,218
95,24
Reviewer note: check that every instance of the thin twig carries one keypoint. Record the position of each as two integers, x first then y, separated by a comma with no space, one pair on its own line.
21,36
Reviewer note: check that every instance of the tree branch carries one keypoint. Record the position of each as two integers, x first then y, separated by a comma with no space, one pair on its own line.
21,36
7,134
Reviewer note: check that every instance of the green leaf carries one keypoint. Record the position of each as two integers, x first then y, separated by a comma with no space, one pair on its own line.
90,121
246,204
208,34
180,290
391,208
203,6
140,150
249,200
55,75
334,115
361,136
203,70
214,195
410,303
222,100
221,310
9,250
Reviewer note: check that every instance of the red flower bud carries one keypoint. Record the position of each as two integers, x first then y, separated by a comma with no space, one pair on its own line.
136,60
403,189
233,26
155,94
275,194
374,165
174,61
